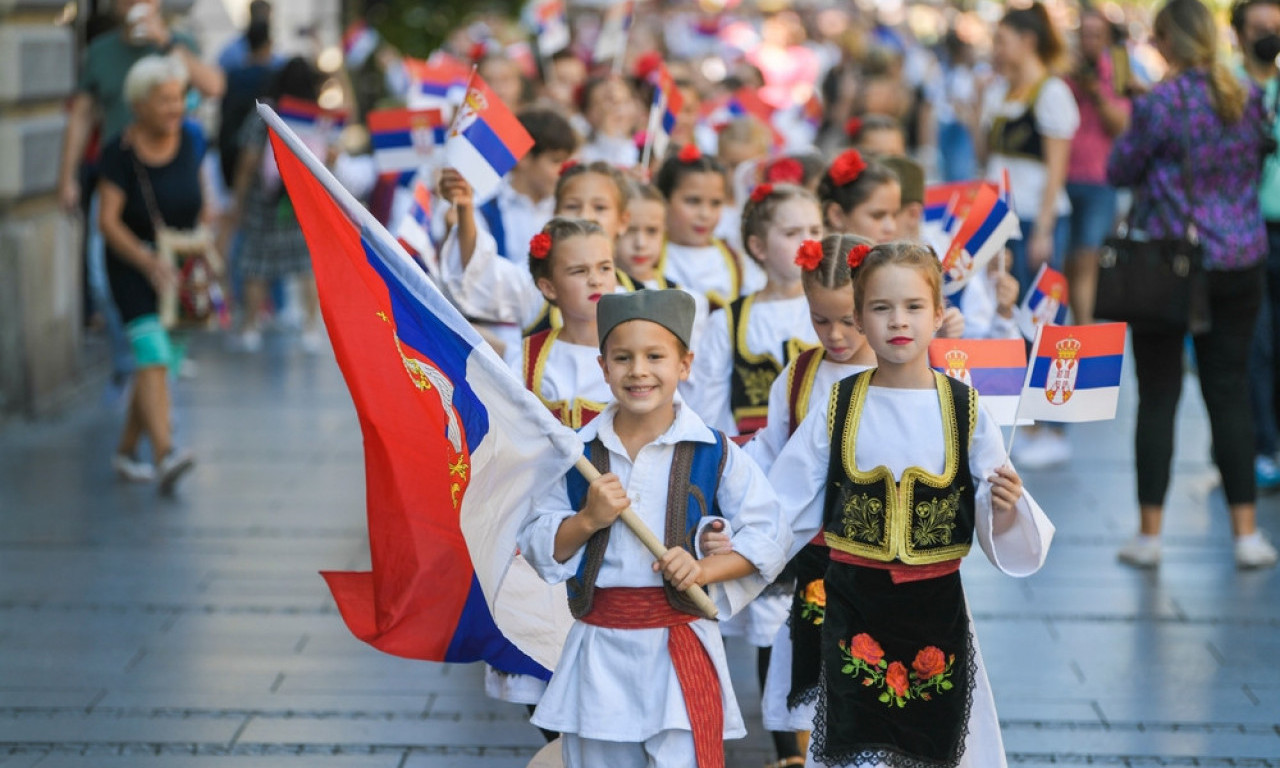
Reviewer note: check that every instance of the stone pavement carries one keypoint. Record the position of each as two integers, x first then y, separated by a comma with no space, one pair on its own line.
195,632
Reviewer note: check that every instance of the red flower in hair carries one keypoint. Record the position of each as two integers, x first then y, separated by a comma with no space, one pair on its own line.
761,192
478,51
853,127
689,153
847,167
647,64
856,254
540,245
787,169
810,255
566,165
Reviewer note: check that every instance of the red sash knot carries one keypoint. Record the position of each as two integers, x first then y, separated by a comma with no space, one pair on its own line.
647,608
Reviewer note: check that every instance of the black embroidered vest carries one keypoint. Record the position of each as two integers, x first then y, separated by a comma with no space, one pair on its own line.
752,375
1019,136
919,520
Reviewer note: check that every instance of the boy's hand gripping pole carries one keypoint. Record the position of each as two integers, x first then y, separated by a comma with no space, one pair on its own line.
650,541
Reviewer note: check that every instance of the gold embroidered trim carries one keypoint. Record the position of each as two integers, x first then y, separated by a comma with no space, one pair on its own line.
570,412
734,266
900,507
806,384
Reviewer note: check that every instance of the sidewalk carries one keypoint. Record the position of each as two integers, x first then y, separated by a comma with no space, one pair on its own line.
142,632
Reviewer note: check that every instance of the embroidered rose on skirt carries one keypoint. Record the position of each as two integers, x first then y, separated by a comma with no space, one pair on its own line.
815,602
930,672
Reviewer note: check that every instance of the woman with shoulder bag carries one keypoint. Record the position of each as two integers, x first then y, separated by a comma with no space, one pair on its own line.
1193,156
150,181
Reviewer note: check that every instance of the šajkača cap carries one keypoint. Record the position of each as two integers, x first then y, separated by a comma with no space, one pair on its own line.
673,309
910,177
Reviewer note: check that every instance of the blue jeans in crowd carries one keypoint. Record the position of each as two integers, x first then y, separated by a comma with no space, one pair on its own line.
1021,268
955,146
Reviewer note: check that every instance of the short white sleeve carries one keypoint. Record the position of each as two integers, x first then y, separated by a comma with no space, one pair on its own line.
1057,115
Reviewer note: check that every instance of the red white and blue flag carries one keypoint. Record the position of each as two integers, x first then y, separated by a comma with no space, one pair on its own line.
956,196
1074,374
359,41
455,448
994,367
486,140
439,82
403,139
549,24
413,228
1045,303
667,103
311,121
989,223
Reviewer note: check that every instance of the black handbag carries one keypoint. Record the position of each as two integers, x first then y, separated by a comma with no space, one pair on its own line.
1155,284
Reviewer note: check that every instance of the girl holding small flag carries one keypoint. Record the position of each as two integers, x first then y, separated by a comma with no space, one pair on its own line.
903,683
643,679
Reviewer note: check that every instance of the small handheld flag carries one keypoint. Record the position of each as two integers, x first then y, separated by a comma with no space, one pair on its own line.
1046,301
667,103
403,139
413,230
359,41
994,367
612,42
1074,373
486,140
546,18
988,225
311,121
439,82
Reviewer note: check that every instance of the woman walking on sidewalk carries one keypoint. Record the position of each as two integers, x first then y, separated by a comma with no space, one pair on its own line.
150,175
1193,155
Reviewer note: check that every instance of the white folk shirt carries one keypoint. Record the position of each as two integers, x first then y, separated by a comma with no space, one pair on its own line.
522,218
769,442
703,269
619,684
769,326
572,372
902,428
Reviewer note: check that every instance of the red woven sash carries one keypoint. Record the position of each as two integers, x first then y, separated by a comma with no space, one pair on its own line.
900,573
647,608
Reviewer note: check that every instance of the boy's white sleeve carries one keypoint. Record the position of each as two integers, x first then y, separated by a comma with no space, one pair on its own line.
799,476
768,442
760,532
490,288
537,536
712,364
1020,550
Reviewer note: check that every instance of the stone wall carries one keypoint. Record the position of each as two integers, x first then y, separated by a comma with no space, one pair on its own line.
40,263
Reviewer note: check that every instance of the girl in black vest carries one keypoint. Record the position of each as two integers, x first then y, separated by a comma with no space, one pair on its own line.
902,473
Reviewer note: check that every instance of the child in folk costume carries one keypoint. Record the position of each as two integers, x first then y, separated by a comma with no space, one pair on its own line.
748,343
642,679
697,190
490,288
790,686
902,473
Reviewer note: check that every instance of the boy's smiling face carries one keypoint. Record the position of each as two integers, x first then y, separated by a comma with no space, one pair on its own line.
643,363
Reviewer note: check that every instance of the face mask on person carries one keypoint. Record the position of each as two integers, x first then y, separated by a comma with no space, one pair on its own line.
1267,48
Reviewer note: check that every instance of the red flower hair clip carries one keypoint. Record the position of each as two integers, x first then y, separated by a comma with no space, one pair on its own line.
540,245
761,192
809,256
847,167
853,127
647,64
856,254
689,153
785,170
566,165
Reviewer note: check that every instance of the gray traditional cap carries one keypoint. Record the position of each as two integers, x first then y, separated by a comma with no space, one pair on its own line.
673,309
910,177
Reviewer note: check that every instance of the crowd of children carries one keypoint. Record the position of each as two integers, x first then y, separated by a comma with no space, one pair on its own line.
739,330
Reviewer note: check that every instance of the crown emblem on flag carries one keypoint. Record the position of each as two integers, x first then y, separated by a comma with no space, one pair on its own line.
1068,349
476,100
957,358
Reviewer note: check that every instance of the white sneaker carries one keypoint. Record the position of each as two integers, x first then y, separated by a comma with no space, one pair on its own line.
173,467
132,470
1141,552
312,341
1255,551
251,340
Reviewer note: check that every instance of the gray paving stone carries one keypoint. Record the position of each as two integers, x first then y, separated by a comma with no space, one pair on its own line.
69,727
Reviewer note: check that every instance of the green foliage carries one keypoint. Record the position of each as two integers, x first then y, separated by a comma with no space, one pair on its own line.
418,27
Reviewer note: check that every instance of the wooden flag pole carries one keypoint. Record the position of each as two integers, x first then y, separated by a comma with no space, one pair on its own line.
650,541
655,118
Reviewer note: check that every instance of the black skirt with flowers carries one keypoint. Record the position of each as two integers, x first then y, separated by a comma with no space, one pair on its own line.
898,670
808,609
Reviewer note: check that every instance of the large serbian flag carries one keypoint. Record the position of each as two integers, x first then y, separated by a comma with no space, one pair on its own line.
485,140
455,448
1074,374
994,367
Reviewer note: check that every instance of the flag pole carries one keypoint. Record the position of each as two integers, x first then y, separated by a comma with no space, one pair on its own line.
619,59
1026,382
655,116
650,541
457,112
